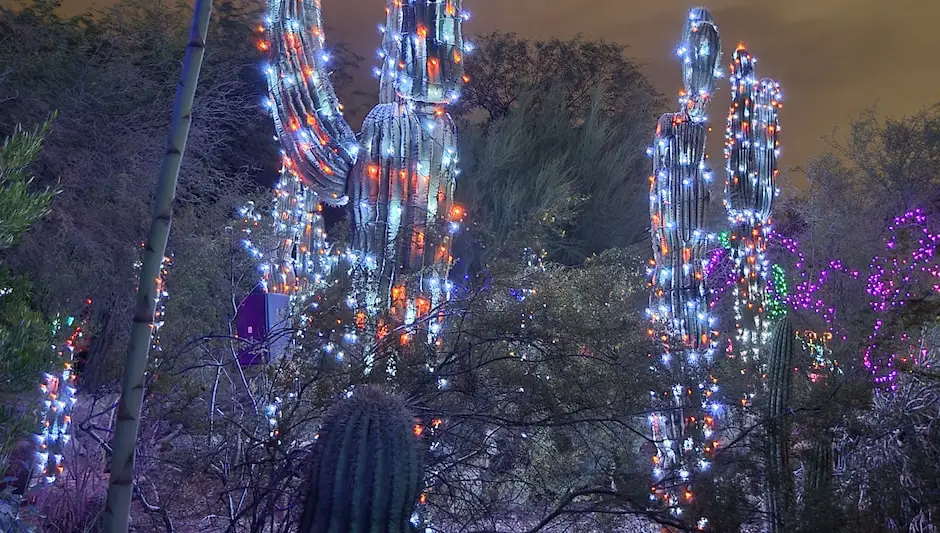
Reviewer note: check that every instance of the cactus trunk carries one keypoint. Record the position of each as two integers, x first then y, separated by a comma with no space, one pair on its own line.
780,486
818,467
751,151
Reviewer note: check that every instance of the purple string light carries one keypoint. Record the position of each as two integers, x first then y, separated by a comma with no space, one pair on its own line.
892,282
720,281
804,295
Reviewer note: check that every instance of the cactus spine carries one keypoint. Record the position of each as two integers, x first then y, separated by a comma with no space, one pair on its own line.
682,427
367,470
780,486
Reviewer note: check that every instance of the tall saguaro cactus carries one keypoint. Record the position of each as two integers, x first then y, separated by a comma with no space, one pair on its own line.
683,425
751,150
397,179
679,193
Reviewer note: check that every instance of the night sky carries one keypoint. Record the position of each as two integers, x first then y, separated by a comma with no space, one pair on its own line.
834,58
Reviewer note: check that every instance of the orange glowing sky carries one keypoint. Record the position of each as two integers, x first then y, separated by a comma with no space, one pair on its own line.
834,58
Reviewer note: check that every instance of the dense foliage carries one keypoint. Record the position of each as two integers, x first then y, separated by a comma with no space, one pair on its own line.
536,414
553,146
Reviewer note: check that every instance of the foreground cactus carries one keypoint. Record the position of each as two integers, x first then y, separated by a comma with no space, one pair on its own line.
367,469
780,490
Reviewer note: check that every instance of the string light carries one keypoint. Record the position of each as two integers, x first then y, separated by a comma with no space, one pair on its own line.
911,264
777,290
817,346
159,315
889,284
804,295
59,398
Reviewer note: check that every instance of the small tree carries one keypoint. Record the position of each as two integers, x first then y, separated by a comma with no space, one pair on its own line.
21,205
24,331
24,335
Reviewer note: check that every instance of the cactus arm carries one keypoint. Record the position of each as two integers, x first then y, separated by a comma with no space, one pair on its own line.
700,51
768,147
427,51
391,35
751,151
319,147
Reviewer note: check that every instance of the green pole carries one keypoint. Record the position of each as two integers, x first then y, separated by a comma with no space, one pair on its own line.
124,444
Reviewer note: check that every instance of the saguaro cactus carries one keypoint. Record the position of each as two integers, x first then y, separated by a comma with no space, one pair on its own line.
367,470
679,192
818,468
780,489
751,150
678,304
398,178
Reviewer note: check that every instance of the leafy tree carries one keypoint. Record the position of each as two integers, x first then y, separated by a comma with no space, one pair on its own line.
881,169
24,336
561,144
506,68
112,76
